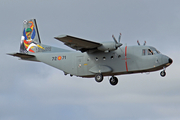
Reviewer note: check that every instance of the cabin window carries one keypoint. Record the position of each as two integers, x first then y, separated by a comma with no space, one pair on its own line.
112,57
96,59
119,56
104,58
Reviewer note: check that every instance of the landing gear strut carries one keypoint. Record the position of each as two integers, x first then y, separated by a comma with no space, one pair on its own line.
163,73
99,77
113,80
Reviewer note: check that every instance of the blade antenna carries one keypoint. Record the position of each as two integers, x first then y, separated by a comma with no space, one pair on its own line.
144,43
138,42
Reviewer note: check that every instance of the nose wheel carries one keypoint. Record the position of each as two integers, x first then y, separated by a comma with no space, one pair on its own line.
163,73
113,80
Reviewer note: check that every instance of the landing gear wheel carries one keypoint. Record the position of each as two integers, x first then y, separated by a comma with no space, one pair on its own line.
113,80
99,77
163,73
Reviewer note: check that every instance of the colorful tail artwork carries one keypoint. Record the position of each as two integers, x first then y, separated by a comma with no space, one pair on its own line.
30,39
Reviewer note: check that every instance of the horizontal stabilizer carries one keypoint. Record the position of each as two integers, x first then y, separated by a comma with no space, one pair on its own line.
21,55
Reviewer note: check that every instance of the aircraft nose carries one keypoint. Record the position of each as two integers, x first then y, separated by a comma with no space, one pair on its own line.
167,60
170,60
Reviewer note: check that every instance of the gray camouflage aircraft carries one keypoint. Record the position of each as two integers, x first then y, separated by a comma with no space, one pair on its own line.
94,59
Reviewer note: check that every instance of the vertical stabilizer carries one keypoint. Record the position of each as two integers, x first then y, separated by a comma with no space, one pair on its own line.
30,38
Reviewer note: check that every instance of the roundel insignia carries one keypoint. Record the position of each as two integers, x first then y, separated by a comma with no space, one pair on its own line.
59,57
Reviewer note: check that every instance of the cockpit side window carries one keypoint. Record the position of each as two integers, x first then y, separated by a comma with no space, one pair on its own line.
147,52
144,52
150,52
155,51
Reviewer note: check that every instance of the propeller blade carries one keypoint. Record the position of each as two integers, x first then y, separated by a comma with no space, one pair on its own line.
114,39
119,37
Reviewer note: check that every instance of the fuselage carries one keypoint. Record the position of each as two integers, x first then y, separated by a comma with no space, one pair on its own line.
125,60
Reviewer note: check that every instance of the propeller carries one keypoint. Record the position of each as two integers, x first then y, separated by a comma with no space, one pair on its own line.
119,37
118,44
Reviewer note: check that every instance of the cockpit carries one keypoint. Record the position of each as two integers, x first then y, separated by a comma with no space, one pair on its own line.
150,51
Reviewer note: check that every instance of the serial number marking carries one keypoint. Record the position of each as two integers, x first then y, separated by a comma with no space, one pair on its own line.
55,58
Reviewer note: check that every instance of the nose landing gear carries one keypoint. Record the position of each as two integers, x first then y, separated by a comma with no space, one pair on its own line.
163,73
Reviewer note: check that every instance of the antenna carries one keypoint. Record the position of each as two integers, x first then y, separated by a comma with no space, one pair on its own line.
138,42
144,43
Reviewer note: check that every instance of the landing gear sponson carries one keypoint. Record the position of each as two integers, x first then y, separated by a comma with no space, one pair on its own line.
113,80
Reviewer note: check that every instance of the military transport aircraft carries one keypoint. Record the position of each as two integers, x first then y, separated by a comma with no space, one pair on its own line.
93,59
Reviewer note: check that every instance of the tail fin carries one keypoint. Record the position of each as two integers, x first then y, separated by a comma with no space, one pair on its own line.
30,38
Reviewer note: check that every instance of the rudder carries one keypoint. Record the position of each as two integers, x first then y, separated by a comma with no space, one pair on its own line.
30,38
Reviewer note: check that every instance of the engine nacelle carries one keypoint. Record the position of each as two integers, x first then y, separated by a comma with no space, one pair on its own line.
110,46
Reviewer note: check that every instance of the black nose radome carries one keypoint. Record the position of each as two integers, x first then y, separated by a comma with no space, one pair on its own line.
170,60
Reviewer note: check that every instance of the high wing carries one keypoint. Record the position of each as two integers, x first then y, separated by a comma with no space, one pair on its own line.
78,43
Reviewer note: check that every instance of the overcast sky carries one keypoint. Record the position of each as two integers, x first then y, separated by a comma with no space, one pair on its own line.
35,91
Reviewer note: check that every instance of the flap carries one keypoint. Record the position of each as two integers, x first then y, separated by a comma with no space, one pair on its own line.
78,43
100,69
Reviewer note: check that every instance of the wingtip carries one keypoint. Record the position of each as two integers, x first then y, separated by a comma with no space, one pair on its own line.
12,54
60,36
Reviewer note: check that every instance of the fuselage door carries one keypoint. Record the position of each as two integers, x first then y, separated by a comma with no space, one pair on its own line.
79,65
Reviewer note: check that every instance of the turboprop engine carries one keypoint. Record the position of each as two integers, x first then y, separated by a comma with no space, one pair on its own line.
110,46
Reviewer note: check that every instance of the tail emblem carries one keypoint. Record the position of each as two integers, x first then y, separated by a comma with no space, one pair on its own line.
27,40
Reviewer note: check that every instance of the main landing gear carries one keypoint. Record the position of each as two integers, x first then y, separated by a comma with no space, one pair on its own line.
113,80
99,77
